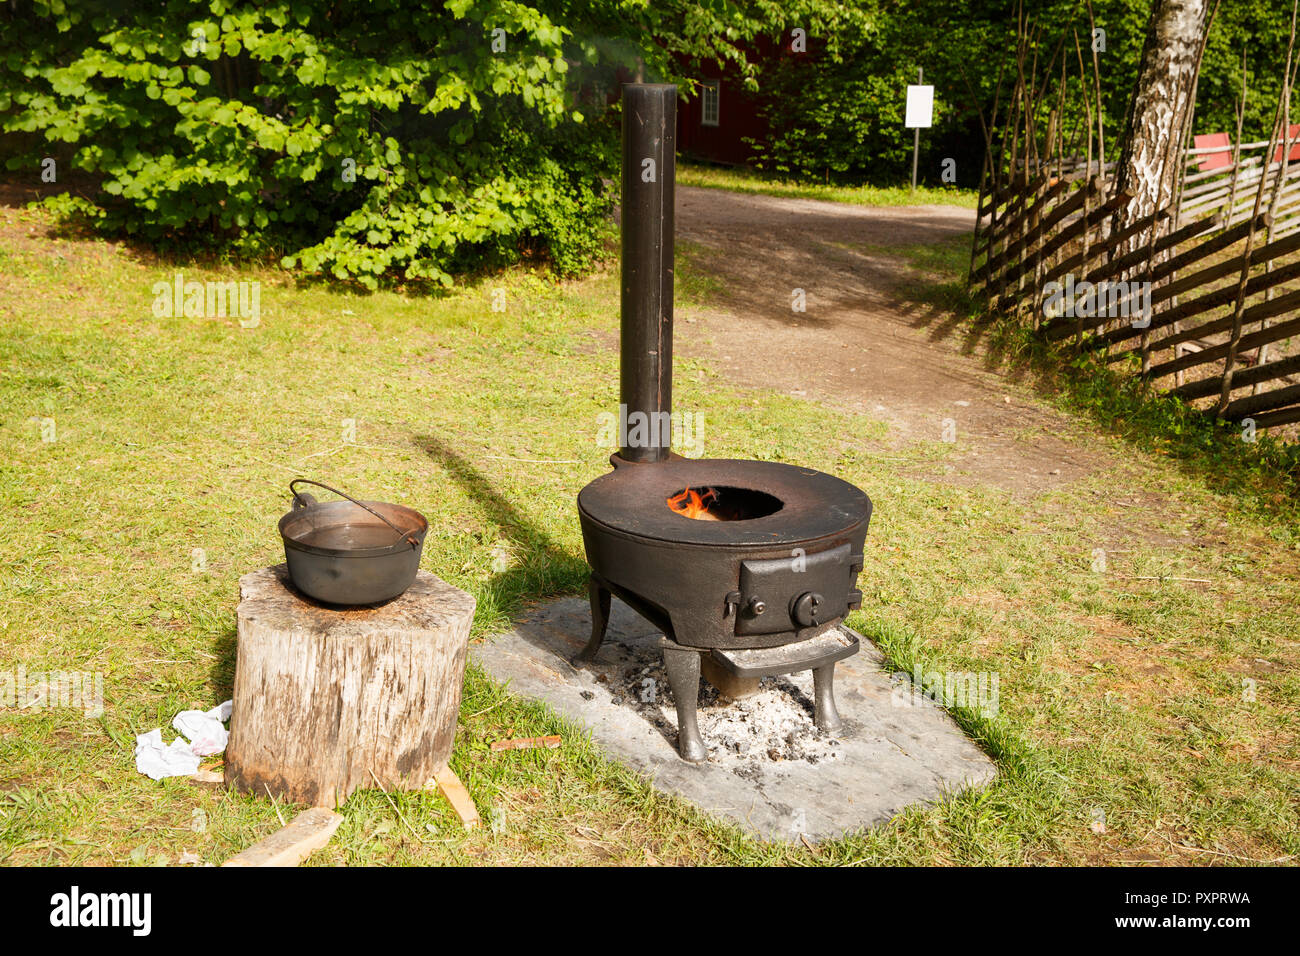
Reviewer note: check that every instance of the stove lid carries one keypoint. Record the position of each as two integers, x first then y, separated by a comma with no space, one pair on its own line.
633,499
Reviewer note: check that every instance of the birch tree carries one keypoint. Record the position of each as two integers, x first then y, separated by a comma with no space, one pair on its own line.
1151,159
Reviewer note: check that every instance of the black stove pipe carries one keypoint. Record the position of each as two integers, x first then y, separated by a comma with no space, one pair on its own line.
646,337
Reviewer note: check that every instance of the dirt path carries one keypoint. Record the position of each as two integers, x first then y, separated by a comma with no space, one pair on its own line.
860,344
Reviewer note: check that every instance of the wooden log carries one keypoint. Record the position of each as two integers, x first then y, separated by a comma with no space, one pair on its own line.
1105,246
979,216
1119,265
1169,267
1217,272
1288,228
1094,218
1285,416
326,697
1082,226
1223,296
1016,189
1213,300
1009,219
1263,402
1208,174
1223,240
1014,249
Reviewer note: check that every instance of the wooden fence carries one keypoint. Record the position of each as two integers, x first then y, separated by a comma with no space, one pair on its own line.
1231,188
1215,324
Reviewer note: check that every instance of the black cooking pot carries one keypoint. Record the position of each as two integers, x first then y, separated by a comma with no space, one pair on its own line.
351,552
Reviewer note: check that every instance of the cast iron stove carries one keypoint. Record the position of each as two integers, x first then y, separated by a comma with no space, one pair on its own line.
750,564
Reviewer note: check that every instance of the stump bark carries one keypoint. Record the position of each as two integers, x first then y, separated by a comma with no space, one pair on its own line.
327,700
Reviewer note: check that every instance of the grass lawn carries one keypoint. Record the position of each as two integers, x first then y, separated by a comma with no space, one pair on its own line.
1143,717
744,181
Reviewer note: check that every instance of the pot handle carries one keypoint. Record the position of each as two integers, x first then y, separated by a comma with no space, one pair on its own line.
303,500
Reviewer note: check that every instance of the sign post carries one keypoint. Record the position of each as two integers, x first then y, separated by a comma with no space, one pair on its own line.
920,115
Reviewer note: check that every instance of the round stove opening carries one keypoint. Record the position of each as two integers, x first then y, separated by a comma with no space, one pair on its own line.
723,503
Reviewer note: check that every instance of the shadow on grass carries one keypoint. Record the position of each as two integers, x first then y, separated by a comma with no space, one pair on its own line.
221,676
548,569
935,298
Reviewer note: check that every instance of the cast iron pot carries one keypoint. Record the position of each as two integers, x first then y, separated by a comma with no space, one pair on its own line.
351,552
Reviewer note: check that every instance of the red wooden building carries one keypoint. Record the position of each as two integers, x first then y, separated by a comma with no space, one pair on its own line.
714,122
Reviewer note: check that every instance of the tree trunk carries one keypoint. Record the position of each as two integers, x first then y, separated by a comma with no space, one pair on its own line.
329,700
1151,160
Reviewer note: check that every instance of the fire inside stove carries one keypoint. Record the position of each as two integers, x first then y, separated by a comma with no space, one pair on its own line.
722,503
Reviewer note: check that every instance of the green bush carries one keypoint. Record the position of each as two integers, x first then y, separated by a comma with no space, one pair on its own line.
359,141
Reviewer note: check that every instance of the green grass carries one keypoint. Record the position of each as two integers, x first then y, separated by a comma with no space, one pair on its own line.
1118,695
745,181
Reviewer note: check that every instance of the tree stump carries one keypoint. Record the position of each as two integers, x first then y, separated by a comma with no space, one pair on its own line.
327,700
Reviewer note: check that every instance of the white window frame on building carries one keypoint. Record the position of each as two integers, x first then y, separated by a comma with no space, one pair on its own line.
710,102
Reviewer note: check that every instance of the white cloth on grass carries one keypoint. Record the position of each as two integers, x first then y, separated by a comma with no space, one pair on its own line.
204,730
157,760
205,734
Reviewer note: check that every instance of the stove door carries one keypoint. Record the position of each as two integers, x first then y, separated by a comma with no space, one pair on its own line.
798,592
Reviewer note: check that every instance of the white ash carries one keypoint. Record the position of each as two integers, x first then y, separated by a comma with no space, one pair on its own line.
773,724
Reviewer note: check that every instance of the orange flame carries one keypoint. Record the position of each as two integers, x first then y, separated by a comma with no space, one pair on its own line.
694,504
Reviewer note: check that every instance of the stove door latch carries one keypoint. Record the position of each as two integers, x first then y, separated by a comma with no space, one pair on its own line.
733,602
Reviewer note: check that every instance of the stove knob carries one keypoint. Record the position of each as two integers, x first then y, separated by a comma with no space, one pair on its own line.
806,607
756,606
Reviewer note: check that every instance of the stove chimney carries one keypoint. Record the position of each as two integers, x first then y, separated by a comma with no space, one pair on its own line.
646,337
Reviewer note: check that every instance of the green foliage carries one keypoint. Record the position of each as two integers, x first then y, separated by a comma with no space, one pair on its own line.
408,142
70,208
397,142
357,141
836,114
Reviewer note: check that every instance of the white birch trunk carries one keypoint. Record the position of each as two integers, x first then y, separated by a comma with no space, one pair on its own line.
1151,162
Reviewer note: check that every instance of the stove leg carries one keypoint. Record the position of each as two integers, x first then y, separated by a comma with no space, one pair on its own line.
825,716
599,620
683,667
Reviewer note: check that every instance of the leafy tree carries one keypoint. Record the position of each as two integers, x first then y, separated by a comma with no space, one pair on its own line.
386,139
411,142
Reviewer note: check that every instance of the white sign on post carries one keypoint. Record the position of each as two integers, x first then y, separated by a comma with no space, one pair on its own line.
920,107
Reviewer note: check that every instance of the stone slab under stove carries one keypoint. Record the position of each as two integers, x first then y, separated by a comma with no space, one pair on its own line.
770,770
